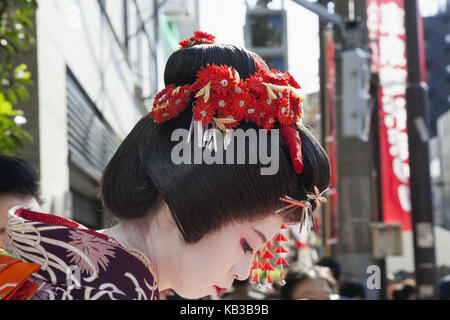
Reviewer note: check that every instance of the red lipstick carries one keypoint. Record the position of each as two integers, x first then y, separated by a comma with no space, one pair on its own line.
219,289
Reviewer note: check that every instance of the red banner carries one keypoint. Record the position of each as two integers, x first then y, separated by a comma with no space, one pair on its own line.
385,21
331,138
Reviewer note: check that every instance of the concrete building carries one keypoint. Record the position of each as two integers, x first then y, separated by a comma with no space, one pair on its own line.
96,67
443,187
437,45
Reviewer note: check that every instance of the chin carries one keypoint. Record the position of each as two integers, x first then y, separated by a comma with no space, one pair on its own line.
188,294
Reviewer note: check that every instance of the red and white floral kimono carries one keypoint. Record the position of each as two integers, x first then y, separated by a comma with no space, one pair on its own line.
75,262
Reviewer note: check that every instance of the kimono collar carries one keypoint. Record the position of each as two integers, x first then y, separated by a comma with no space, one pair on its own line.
76,262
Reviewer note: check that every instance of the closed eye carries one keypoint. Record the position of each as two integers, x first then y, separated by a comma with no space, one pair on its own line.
246,247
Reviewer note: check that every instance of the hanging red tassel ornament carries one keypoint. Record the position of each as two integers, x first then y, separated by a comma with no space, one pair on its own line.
280,250
257,266
267,266
281,262
280,237
268,255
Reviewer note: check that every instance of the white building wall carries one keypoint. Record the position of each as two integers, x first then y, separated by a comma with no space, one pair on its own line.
116,13
76,34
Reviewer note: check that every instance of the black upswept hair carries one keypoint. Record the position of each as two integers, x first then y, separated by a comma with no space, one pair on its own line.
204,197
18,178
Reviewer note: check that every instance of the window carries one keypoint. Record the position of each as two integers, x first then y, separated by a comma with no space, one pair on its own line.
92,143
140,42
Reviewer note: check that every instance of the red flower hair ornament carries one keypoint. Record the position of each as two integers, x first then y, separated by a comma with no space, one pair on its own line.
221,99
198,38
264,98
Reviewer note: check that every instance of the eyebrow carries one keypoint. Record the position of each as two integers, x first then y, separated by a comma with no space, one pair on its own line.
261,235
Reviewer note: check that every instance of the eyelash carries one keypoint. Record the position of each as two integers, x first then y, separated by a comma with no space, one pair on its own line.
246,247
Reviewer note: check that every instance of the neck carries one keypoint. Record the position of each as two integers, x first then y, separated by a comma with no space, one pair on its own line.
148,237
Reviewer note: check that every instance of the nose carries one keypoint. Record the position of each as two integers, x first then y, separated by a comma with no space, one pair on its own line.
241,270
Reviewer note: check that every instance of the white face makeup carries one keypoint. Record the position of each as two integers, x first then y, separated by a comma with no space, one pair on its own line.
219,258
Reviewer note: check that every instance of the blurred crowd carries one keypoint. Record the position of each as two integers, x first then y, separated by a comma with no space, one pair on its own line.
323,281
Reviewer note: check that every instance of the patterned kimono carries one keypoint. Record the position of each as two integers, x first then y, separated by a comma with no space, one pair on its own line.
75,262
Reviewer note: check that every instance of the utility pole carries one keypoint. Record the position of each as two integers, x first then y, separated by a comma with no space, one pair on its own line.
374,88
354,158
324,117
322,74
420,185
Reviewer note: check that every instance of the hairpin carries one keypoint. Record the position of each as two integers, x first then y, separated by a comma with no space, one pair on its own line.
318,197
307,213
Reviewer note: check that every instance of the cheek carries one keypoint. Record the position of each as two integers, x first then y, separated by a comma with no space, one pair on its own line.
202,266
200,262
